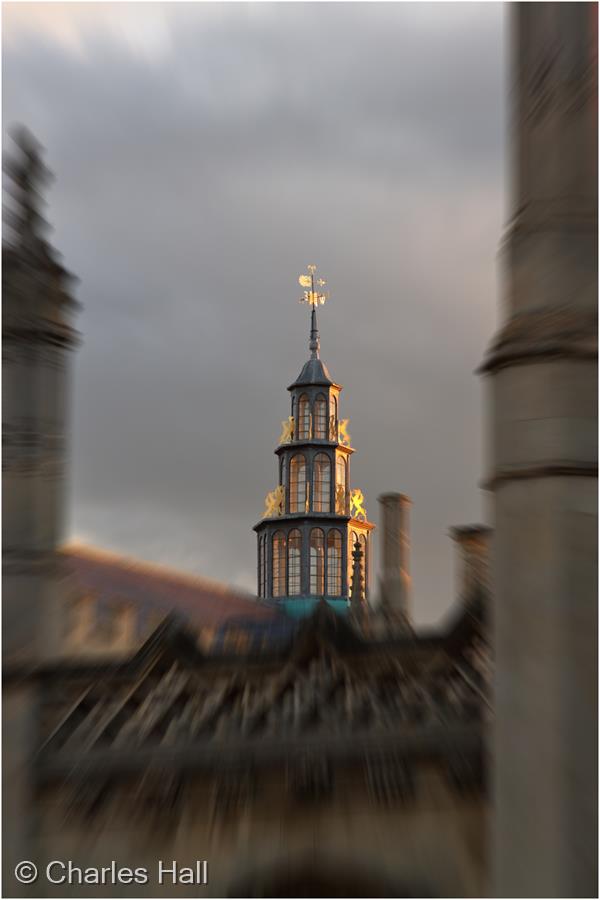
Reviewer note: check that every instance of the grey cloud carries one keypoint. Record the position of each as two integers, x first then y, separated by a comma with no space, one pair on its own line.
196,181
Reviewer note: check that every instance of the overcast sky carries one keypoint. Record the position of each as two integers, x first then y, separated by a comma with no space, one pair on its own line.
204,154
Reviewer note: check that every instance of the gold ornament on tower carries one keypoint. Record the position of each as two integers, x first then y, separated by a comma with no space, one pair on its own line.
274,503
287,433
357,509
343,436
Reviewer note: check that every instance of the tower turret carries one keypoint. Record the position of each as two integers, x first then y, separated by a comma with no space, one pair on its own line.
313,518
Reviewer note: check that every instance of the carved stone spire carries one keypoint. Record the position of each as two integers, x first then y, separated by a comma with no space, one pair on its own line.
357,591
358,606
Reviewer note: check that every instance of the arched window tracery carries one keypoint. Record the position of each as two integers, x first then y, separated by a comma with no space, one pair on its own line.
279,564
317,561
340,485
363,546
322,483
333,405
261,558
294,562
353,539
297,483
341,472
320,418
303,418
265,567
334,563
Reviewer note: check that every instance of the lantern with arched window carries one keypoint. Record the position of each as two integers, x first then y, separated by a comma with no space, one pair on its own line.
278,556
334,563
317,561
320,418
303,430
297,482
304,537
321,496
294,569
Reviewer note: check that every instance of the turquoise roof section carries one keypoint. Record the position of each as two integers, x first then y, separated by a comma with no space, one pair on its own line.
299,607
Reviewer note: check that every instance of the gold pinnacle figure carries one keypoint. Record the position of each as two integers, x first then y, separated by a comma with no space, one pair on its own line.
357,509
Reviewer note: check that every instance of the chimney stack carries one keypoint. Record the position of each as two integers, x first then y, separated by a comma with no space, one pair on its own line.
473,544
395,553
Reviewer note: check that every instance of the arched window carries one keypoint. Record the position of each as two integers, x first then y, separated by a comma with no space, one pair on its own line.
297,483
294,563
303,418
341,472
317,561
321,483
333,435
320,418
265,567
279,564
261,556
334,563
353,537
340,485
363,547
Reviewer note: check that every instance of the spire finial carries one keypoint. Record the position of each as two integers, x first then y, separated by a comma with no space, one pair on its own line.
314,298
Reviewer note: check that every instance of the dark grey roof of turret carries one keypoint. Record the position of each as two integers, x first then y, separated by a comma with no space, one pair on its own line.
313,372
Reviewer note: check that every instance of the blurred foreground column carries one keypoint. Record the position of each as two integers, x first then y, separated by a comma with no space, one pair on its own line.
395,554
542,374
37,310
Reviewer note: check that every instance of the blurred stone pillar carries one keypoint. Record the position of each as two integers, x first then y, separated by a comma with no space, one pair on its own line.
542,377
37,313
395,558
473,545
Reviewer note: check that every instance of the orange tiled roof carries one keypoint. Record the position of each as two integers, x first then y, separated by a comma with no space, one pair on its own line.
111,577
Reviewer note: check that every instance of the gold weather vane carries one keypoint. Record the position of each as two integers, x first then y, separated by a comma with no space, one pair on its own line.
312,296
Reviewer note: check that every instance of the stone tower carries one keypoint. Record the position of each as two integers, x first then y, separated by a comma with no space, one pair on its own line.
542,377
312,519
37,314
